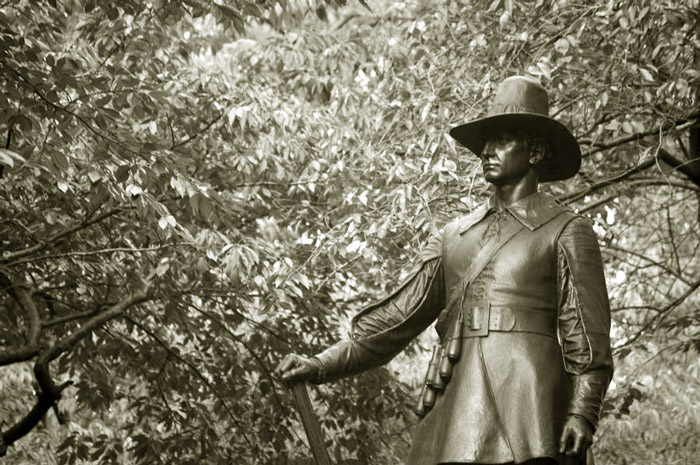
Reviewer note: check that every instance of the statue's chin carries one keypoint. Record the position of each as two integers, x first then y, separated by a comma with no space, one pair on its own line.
492,177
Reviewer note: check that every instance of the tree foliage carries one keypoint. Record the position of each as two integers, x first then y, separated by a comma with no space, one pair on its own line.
192,189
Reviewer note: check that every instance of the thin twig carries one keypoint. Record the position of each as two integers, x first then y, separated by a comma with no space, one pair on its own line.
88,253
57,237
194,369
676,125
663,314
670,270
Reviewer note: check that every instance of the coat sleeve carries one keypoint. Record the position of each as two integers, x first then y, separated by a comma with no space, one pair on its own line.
584,319
383,329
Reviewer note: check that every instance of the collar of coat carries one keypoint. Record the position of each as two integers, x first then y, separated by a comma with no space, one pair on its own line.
532,211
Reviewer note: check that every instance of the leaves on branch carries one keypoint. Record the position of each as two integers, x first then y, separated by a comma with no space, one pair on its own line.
192,189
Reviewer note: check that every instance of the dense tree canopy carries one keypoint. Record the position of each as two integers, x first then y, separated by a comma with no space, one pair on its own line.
192,189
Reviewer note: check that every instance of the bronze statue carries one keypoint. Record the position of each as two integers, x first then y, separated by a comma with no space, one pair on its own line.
522,311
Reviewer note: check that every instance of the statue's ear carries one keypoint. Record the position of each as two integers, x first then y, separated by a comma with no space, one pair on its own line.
537,153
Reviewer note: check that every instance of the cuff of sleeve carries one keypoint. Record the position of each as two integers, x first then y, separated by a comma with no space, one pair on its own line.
584,418
587,399
320,371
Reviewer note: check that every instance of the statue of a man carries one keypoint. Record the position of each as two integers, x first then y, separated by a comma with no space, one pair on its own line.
518,291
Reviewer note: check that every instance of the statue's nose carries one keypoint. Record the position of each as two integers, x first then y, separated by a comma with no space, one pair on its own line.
488,151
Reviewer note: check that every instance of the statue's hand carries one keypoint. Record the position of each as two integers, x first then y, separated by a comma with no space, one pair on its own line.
294,368
576,437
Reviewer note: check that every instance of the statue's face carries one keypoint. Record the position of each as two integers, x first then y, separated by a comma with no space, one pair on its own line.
505,157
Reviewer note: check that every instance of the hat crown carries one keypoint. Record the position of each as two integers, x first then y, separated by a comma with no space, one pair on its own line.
520,94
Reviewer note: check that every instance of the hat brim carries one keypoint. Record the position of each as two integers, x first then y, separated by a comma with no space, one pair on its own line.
565,158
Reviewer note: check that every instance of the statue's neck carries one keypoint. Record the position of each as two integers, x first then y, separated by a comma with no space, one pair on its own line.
508,193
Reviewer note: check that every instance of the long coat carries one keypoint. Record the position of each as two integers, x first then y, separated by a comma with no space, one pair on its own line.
535,342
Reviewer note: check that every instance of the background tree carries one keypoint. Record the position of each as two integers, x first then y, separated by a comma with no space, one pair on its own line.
184,200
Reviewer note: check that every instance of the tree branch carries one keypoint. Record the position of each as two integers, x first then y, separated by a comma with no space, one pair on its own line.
650,181
199,375
676,125
597,204
197,134
590,189
653,262
690,168
68,318
635,307
58,107
23,298
87,253
21,354
49,392
250,320
33,417
657,319
38,247
255,355
41,367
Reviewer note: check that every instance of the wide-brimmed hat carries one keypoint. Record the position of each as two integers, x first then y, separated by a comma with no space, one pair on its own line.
522,103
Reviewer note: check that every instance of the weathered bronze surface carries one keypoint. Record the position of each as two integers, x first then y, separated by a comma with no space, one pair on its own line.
518,292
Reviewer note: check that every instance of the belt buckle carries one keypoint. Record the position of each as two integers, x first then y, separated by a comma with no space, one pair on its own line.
478,321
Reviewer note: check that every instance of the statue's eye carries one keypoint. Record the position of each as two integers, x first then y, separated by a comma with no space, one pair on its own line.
505,137
501,138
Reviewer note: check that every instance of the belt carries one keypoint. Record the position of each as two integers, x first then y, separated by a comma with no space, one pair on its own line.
507,319
477,321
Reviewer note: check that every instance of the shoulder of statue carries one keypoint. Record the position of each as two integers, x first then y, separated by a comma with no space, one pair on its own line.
568,212
541,209
569,224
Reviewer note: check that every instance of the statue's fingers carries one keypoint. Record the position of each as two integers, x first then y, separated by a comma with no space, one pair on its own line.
577,446
293,375
281,367
287,363
285,376
563,440
293,361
